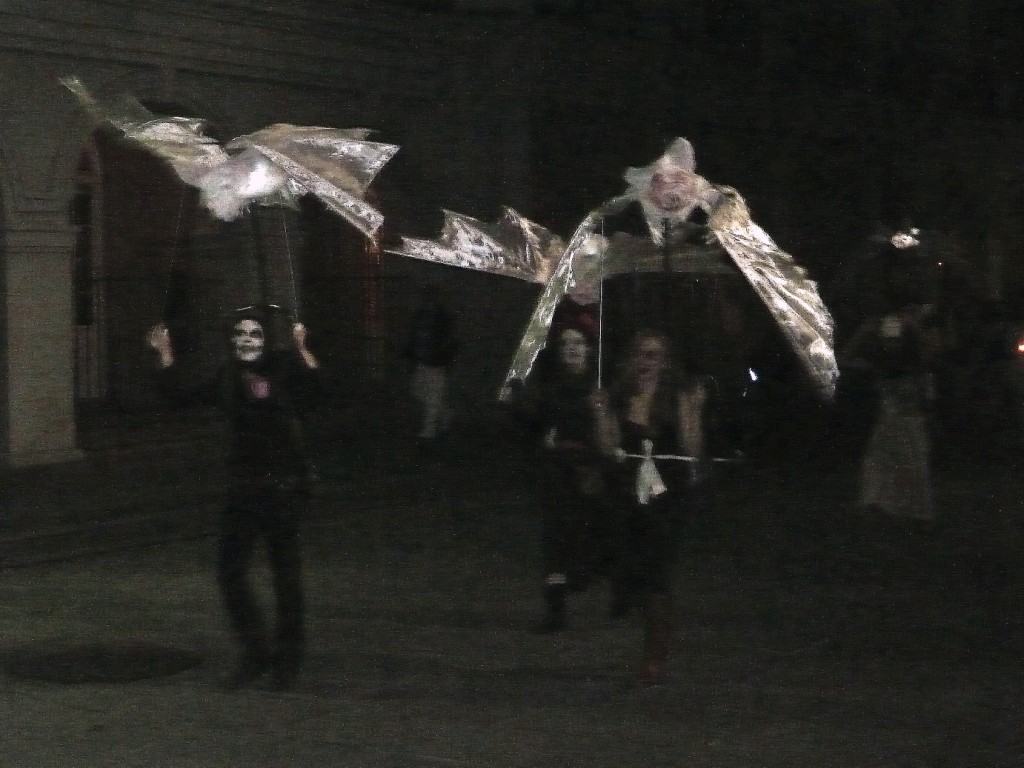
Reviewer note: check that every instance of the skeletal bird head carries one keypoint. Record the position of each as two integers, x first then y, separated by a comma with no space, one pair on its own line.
669,189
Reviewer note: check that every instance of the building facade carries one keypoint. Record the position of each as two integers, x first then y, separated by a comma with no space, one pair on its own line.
537,105
92,231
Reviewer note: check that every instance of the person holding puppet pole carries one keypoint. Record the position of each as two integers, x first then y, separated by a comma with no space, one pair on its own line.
258,389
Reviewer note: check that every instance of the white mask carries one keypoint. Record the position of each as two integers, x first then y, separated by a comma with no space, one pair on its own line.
573,348
247,340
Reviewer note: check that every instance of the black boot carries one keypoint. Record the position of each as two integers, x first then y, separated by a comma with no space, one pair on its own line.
554,619
253,665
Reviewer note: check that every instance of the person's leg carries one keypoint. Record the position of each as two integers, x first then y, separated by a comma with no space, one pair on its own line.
584,555
238,532
626,558
553,545
284,554
662,528
433,391
444,409
658,623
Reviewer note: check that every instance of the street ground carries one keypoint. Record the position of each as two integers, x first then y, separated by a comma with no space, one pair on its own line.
808,634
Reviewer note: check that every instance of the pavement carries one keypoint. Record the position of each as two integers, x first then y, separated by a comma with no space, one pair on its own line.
807,635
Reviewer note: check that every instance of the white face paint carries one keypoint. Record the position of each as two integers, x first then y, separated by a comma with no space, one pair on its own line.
573,349
247,340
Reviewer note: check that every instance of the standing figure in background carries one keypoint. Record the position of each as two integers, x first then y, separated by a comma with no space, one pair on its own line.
573,502
431,349
258,391
895,475
659,413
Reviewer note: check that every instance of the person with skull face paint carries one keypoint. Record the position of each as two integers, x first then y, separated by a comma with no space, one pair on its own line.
568,413
258,390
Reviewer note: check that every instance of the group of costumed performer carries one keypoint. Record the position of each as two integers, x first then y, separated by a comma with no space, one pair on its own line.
632,449
624,464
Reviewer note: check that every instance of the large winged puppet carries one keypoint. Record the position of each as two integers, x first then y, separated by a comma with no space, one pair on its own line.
272,166
670,194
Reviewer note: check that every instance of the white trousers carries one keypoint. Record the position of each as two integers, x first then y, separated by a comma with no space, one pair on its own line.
430,387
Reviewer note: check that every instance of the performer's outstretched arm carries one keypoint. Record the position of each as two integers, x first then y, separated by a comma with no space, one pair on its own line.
171,380
159,338
299,334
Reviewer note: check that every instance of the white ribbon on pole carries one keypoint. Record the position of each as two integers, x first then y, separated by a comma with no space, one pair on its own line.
648,481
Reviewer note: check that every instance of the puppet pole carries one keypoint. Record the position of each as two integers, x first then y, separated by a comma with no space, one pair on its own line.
174,259
291,266
600,329
600,316
666,289
261,259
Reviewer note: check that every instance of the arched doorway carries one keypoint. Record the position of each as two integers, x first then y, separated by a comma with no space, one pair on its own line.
147,251
133,266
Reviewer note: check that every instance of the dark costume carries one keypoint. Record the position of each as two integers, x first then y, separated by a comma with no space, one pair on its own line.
651,518
267,493
573,508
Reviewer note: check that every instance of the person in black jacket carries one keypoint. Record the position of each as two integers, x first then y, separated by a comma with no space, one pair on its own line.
566,405
257,389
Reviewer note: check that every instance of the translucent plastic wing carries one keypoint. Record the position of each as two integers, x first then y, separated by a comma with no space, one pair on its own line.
177,140
513,246
669,192
579,261
336,165
272,166
783,286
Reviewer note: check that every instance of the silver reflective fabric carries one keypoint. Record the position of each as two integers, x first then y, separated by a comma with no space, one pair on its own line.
668,192
783,286
575,261
272,166
336,165
513,246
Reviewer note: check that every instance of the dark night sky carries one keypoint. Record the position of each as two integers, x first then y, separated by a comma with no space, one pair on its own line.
854,71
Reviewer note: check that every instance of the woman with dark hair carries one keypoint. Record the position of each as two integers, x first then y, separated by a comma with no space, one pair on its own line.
659,438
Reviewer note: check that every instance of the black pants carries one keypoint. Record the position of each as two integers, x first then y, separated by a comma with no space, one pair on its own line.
649,542
574,530
269,511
